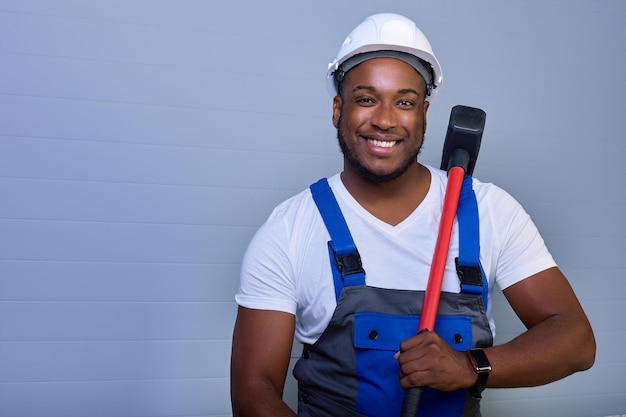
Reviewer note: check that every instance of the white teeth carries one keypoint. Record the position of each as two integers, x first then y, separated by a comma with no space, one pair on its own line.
382,144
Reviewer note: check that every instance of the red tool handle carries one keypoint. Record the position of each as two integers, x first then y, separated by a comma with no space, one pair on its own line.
438,267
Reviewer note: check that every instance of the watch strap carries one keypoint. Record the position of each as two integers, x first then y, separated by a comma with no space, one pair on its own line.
482,367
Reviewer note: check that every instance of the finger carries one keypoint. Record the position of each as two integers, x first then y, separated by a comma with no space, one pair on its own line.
415,341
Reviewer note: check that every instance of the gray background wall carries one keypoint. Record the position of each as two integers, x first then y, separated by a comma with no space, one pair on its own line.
143,142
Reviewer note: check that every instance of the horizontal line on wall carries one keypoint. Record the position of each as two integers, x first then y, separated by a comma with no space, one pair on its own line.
110,341
96,381
202,225
114,341
230,71
108,21
230,300
172,28
165,145
69,301
525,399
174,106
151,184
108,262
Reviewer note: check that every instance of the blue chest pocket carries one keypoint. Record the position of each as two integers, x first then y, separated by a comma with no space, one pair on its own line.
385,331
377,338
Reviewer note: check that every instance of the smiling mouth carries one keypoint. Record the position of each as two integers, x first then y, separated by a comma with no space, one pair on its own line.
383,143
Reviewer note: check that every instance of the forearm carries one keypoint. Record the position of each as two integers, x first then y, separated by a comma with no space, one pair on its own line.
551,350
259,400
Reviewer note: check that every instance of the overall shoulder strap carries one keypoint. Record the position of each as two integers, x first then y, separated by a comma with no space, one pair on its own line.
345,258
469,270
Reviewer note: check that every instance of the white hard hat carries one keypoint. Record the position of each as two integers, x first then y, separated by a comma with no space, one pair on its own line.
386,35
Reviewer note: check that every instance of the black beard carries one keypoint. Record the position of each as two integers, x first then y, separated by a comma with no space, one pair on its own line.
365,172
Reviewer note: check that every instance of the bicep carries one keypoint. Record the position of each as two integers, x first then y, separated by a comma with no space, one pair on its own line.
543,295
262,341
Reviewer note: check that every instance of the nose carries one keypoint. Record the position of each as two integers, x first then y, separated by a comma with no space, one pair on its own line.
384,116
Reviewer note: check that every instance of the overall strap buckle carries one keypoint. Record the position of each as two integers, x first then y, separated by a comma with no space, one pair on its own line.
349,263
471,278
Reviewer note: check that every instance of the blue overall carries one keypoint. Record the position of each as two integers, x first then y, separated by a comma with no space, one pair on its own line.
350,370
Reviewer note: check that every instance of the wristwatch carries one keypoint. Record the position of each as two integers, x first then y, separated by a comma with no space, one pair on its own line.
482,367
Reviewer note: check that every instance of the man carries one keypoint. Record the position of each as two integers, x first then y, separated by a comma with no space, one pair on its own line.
358,327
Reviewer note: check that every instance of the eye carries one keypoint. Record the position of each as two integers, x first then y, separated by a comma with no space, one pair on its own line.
364,101
406,104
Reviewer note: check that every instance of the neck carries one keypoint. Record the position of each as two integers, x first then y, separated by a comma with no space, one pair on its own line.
390,201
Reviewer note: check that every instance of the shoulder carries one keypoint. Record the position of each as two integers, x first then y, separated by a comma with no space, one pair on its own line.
294,218
492,193
492,199
300,207
508,230
497,205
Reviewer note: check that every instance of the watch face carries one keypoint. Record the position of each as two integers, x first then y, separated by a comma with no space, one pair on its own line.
480,361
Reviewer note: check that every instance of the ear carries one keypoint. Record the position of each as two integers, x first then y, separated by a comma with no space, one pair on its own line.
337,103
426,104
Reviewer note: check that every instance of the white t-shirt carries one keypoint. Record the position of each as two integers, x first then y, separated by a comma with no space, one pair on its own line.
287,268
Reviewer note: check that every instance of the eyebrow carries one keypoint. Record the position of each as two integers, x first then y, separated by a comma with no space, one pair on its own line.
364,87
409,91
373,89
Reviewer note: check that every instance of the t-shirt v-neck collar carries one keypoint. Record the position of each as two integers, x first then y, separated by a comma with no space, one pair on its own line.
343,196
